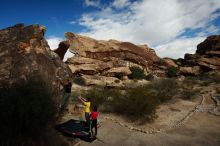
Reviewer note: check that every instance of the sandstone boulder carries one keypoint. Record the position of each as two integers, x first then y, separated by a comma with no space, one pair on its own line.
212,43
169,62
102,81
106,50
195,70
87,65
211,63
117,72
207,55
23,52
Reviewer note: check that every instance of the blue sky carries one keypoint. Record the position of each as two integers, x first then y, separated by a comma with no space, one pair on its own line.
56,15
171,27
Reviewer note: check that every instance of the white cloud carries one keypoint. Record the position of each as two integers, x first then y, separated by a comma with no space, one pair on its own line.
120,3
53,42
179,47
155,22
68,55
212,29
93,3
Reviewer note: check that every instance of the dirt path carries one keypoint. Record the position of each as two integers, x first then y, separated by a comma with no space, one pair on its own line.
198,124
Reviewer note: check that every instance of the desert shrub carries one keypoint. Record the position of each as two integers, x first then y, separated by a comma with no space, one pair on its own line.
97,95
188,94
187,88
26,111
136,73
188,83
149,77
215,78
79,80
208,78
164,89
173,72
137,104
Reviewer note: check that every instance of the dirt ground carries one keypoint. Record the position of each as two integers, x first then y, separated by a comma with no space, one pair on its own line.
201,129
179,123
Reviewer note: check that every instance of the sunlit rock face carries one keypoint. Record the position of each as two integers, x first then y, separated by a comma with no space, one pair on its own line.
108,58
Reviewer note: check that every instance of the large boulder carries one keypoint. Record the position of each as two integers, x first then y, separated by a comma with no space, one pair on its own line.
111,82
87,65
110,58
108,50
117,72
24,52
207,55
169,63
195,70
212,43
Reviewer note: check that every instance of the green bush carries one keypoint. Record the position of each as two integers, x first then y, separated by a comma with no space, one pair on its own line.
140,103
188,94
26,111
164,89
79,80
173,72
136,73
149,77
209,77
137,104
98,95
215,78
187,88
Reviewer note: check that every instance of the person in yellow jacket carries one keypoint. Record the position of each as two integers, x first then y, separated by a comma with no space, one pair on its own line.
87,104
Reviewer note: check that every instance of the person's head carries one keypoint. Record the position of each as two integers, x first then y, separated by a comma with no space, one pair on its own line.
95,108
88,99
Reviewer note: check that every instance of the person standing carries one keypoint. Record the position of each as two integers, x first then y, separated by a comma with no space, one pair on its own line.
87,104
93,116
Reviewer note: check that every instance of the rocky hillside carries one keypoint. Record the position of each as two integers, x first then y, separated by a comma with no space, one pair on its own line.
107,60
25,52
99,61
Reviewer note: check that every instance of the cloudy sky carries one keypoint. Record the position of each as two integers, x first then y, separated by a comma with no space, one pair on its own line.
171,27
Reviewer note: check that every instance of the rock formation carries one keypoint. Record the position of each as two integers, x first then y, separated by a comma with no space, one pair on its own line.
62,49
108,58
207,55
107,50
24,51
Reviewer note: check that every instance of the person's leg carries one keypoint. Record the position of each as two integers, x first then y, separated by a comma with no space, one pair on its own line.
92,127
92,132
95,126
87,119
